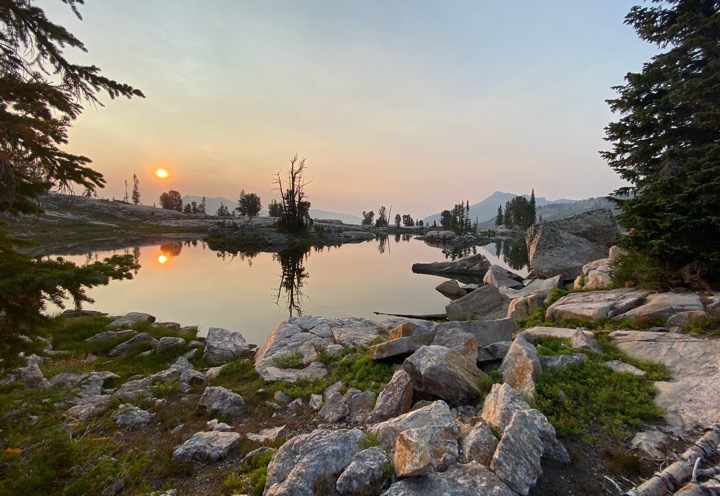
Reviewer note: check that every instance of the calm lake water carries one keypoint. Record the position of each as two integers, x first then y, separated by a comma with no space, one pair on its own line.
194,285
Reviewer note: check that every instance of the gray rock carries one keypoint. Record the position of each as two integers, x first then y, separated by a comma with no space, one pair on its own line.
400,347
470,479
312,372
653,443
332,389
665,305
692,398
619,366
207,446
517,458
141,340
437,413
559,361
128,415
216,425
222,345
395,399
595,305
553,250
582,341
451,289
424,450
501,404
458,341
334,410
597,226
681,319
85,411
111,335
480,444
474,265
535,287
595,275
438,372
486,332
33,377
521,366
316,401
355,332
131,318
359,402
500,276
167,342
269,435
217,399
367,468
494,352
524,306
554,332
486,303
306,459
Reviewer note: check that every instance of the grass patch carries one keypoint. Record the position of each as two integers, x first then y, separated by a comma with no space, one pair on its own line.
289,361
708,326
575,397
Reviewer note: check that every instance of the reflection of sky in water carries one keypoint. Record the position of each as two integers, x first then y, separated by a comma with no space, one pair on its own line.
193,285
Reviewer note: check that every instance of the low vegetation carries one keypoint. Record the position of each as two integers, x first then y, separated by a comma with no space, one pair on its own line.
591,397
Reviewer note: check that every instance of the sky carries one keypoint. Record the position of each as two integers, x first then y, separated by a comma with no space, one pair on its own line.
412,104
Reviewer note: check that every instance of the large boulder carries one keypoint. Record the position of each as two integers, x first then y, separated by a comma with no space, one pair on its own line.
595,275
665,305
437,413
401,347
395,399
517,458
521,366
334,409
501,277
553,251
524,306
223,345
458,341
480,444
595,305
424,450
366,469
470,479
486,332
597,226
486,303
474,266
308,459
438,372
500,406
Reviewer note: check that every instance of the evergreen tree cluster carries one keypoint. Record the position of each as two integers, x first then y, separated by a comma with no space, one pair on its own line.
457,219
666,143
249,204
519,213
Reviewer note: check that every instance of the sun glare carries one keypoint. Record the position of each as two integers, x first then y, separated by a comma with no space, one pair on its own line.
162,259
161,173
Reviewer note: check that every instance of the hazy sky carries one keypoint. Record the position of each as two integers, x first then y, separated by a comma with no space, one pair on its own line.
413,104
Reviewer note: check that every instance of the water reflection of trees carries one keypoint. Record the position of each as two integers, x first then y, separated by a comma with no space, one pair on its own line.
514,252
292,277
459,251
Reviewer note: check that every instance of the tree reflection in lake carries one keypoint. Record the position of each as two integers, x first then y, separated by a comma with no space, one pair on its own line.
515,253
292,277
459,251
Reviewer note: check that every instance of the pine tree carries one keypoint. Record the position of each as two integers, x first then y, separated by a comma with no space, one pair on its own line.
666,143
136,190
41,94
500,218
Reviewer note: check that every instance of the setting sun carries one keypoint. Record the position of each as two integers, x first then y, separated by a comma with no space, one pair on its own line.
162,259
161,173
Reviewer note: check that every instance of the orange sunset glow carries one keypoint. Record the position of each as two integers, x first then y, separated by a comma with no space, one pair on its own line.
161,173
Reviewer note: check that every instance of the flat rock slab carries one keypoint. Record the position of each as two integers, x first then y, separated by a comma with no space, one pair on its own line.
207,446
692,397
596,305
470,479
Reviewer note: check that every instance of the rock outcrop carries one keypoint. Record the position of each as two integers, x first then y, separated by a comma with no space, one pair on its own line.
484,303
474,266
562,247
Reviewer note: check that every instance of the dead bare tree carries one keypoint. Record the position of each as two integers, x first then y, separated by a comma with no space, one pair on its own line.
295,207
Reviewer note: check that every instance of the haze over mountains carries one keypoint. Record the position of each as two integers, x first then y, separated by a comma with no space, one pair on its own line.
484,212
